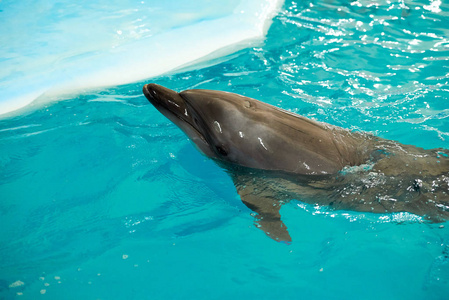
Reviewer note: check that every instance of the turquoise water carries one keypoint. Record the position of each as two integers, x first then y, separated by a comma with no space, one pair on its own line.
103,198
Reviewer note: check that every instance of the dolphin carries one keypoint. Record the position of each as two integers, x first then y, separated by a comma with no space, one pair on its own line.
274,156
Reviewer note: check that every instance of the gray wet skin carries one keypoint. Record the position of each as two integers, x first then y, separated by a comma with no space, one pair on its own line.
274,156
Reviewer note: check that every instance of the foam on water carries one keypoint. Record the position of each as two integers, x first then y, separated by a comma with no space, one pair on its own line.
57,47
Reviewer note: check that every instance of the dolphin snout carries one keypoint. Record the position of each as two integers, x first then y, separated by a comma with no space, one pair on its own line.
150,91
164,99
159,95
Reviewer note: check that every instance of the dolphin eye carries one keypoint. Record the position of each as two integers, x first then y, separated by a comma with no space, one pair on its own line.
221,151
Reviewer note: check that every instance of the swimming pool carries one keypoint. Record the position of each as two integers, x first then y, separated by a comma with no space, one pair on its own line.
102,197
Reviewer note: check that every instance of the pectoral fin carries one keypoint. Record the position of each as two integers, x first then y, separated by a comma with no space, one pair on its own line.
262,201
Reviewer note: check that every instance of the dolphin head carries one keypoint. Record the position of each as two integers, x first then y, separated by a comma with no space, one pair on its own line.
211,119
237,130
177,110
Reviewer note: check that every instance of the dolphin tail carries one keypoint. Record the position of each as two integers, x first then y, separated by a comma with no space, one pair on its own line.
261,199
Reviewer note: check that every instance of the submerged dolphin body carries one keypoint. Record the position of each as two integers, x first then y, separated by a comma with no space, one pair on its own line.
274,156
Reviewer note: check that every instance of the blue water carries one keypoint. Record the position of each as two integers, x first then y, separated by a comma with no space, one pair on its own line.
101,197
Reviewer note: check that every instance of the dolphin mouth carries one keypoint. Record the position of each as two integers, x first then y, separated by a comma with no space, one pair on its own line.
173,106
167,101
149,93
161,96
